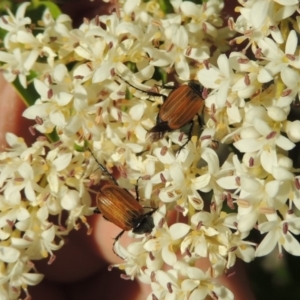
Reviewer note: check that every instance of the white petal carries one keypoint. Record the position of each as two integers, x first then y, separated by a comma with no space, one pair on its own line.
129,28
223,64
42,213
179,230
281,173
248,145
31,59
26,171
177,174
258,13
53,182
247,222
245,253
188,284
32,278
284,143
250,184
37,110
9,254
267,160
189,9
57,118
168,256
21,10
41,88
23,214
261,126
264,76
277,113
286,11
63,98
102,73
199,293
212,160
267,244
287,2
209,78
267,226
291,245
130,6
62,161
293,130
137,111
291,43
29,192
159,58
202,181
182,68
70,200
228,182
167,159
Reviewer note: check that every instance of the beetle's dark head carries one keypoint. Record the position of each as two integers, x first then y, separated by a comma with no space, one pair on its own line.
145,226
196,86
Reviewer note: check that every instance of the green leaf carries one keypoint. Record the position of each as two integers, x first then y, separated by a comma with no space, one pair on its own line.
81,148
28,95
53,136
166,6
53,8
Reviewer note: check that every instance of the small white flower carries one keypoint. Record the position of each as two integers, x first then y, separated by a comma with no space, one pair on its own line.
279,60
219,79
18,64
166,240
279,232
14,24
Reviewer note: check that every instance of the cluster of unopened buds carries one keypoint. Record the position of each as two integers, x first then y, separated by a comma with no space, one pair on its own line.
211,146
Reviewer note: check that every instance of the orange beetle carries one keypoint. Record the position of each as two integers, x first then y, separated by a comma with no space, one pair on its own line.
178,109
118,206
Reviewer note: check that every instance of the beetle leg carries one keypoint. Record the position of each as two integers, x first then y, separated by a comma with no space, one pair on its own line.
200,121
116,239
189,136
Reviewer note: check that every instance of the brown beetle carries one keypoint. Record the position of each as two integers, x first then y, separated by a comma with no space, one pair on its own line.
178,109
118,206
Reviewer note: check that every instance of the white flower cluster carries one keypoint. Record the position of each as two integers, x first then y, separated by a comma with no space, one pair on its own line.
81,77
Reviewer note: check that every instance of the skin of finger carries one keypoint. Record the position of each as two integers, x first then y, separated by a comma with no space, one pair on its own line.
11,109
105,285
238,283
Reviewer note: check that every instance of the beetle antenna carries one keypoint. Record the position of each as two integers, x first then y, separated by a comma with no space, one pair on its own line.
150,93
137,193
103,169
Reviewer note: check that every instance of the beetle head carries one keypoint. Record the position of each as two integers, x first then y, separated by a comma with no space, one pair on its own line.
196,86
145,226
